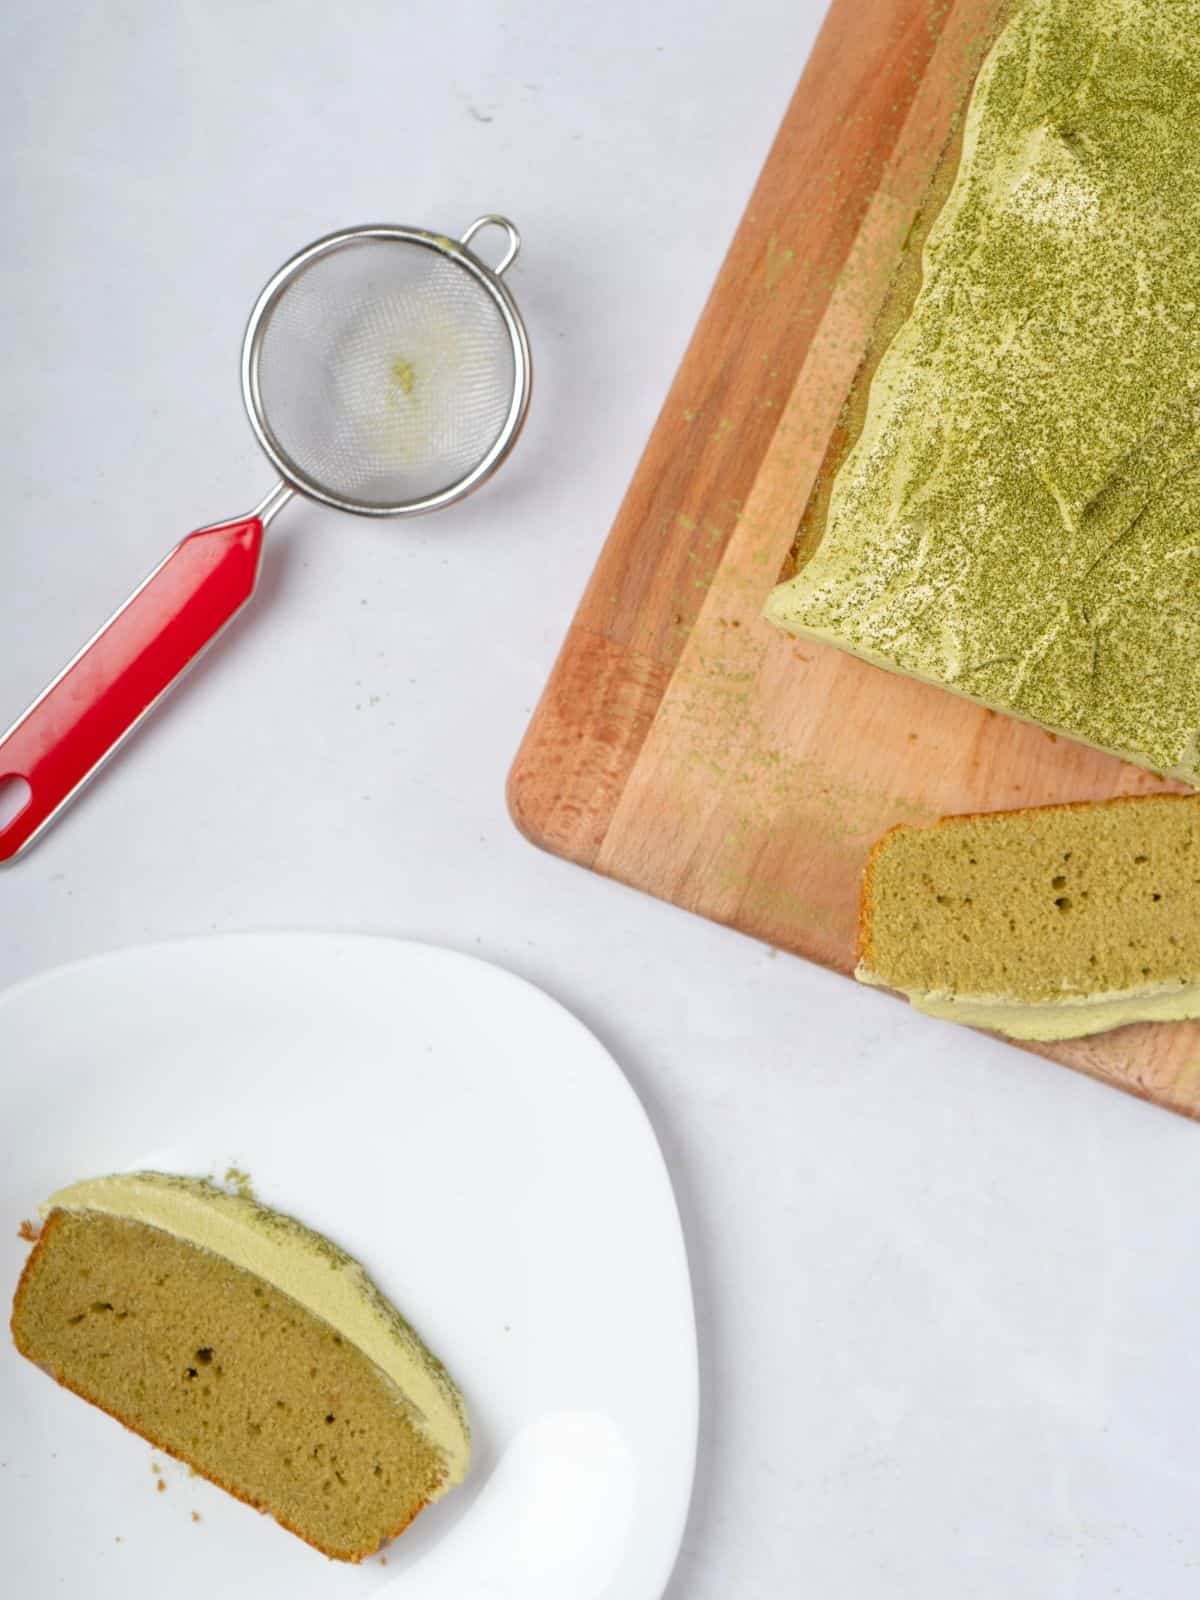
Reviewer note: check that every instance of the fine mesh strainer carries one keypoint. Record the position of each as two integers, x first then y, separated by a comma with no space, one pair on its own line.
386,372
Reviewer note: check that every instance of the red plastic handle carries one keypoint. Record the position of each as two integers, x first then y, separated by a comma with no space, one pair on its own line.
113,682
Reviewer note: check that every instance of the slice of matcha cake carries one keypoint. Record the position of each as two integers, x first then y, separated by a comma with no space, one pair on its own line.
240,1341
1046,923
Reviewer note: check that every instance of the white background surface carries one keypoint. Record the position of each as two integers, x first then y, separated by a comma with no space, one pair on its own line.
947,1292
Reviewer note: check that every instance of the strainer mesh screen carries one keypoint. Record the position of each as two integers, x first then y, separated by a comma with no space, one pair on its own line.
386,371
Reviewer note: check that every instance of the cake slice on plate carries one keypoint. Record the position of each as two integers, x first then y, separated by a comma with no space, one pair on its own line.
240,1341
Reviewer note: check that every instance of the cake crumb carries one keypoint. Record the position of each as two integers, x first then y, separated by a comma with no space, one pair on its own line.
383,1561
240,1182
162,1486
29,1231
195,1516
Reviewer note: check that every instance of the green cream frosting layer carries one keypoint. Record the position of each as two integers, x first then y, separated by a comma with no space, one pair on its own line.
1019,519
303,1264
1071,1018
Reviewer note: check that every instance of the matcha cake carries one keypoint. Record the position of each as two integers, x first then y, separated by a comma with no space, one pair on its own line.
1046,923
247,1345
1011,507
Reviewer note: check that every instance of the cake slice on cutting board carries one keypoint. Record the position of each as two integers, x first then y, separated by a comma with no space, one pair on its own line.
1012,507
1046,923
249,1346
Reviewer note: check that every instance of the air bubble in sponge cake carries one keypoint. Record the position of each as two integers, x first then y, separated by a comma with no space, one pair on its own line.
1046,923
247,1345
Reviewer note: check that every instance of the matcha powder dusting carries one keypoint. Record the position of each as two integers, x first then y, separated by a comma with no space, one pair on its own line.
1019,518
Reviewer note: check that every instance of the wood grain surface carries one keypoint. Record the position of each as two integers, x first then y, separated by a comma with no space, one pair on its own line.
685,746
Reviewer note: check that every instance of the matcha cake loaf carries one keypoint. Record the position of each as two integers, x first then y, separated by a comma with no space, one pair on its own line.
247,1345
1046,923
1011,506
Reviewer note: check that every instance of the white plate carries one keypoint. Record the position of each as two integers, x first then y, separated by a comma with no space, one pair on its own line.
479,1151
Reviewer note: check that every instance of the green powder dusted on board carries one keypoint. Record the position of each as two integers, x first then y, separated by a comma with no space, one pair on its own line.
1019,519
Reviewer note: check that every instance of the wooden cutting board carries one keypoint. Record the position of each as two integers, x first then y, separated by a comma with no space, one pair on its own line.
682,744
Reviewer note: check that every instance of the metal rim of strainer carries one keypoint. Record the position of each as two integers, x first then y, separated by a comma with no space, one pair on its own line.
488,278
